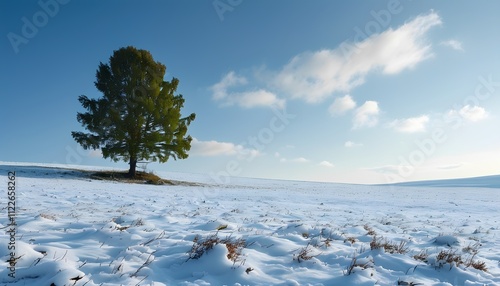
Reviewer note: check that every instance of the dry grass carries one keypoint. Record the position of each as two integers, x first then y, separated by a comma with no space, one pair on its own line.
472,248
350,239
405,283
48,216
234,248
355,263
203,245
140,177
422,256
449,257
303,254
122,228
327,242
221,227
452,258
138,222
369,230
388,246
476,264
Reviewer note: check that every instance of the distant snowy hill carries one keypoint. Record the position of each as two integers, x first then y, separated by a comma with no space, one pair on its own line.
478,182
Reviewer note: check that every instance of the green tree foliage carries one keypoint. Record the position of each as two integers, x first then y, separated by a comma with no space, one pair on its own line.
138,117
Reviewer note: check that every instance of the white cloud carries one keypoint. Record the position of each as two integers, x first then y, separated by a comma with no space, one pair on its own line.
313,76
215,148
469,113
454,44
386,169
473,113
95,153
316,75
366,115
326,164
258,98
229,80
341,105
450,166
300,160
350,144
295,160
410,125
246,99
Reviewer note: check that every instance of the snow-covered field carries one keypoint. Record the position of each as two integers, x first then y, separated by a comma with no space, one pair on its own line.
75,231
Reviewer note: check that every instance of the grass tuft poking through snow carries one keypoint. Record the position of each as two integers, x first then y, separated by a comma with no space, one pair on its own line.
388,246
304,254
204,245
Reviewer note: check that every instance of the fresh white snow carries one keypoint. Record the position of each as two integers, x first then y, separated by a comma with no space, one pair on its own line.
72,230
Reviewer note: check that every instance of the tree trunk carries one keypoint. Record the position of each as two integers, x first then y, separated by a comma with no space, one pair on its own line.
133,164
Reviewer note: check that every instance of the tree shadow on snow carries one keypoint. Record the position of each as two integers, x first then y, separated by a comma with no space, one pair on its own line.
43,172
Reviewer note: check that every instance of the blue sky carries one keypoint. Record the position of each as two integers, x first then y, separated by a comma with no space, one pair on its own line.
358,91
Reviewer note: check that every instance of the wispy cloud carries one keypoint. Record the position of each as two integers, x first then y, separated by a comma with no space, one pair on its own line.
450,166
410,125
366,115
350,144
386,169
246,99
295,160
313,76
216,148
300,160
341,105
454,44
326,164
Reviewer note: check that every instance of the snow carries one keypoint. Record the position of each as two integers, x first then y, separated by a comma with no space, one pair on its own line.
72,230
483,182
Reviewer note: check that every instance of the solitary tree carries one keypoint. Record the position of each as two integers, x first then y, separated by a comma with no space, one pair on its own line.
138,117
